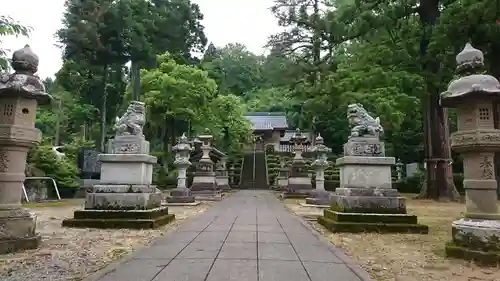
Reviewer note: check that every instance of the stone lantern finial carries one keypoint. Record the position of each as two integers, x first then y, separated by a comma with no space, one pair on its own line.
319,139
183,138
25,61
469,58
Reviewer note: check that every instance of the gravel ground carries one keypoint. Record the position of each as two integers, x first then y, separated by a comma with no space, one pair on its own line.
407,257
72,254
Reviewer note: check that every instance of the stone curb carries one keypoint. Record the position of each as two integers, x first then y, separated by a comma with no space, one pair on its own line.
352,265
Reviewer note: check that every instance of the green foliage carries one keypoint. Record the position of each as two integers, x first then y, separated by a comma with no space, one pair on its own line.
63,171
9,26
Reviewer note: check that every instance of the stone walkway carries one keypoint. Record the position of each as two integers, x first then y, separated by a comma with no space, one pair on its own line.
248,236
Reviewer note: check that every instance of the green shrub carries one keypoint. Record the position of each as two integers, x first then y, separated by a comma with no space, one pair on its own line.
414,183
162,180
63,171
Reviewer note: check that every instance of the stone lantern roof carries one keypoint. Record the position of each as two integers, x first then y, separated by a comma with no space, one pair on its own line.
183,144
23,82
476,86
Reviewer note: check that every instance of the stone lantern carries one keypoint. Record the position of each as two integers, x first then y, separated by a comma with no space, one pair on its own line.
283,174
477,235
299,183
204,183
399,170
181,194
222,176
320,195
20,93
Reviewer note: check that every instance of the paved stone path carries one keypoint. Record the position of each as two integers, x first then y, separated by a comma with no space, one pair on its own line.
248,236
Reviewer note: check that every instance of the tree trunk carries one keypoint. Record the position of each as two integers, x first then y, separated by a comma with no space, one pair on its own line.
164,138
439,183
135,72
102,128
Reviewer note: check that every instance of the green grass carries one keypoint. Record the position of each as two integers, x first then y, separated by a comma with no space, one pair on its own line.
62,203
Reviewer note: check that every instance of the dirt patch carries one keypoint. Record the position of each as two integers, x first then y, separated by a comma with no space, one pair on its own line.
407,257
71,253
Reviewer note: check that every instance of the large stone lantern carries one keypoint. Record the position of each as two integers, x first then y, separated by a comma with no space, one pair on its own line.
477,235
20,93
320,195
299,183
181,194
204,183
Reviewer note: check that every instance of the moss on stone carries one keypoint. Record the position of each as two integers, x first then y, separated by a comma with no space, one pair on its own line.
468,240
339,208
20,244
355,227
95,214
119,223
490,258
295,196
370,218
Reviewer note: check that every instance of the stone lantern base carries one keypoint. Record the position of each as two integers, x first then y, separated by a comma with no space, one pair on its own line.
299,183
204,187
366,201
223,183
476,240
180,196
319,198
17,231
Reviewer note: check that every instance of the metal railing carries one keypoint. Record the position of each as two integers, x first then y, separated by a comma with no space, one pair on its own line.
41,178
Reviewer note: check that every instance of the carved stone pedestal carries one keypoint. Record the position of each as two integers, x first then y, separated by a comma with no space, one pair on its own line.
125,196
365,201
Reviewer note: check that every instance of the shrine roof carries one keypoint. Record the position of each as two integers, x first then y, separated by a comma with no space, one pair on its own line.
289,133
263,121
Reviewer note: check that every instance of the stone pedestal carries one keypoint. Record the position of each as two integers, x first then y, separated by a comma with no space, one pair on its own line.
475,96
365,201
20,93
282,179
299,183
125,196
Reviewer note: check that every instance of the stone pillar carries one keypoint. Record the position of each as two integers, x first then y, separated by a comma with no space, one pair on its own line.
320,195
20,93
181,194
299,182
125,196
477,235
204,184
365,200
222,177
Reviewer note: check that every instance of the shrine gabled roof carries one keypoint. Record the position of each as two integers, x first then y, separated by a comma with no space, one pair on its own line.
267,120
289,134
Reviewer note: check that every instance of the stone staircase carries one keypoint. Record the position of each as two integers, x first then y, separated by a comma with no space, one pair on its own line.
246,181
247,174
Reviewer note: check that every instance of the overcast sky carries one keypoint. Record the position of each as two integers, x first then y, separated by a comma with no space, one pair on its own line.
226,21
